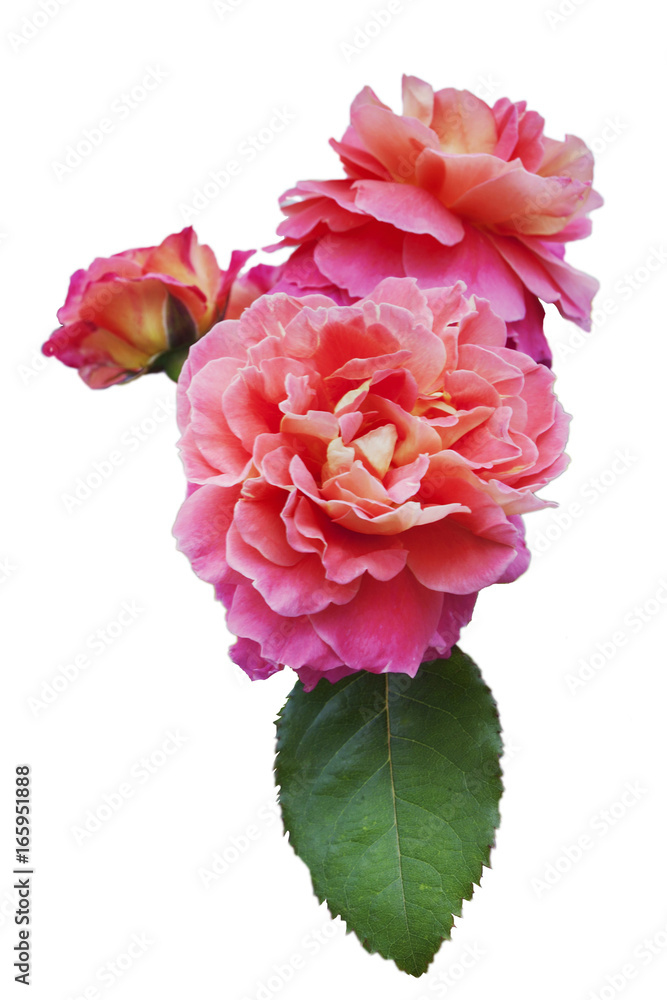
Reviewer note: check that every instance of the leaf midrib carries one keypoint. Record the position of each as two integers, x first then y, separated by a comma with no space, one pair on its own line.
393,800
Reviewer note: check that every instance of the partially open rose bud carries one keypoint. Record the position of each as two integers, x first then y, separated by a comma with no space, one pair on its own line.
141,310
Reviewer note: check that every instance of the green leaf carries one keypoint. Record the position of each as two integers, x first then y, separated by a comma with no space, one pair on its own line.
170,362
389,789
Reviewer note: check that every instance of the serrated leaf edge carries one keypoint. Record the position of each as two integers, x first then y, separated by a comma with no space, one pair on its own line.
321,896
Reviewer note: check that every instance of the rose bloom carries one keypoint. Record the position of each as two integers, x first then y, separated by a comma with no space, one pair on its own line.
125,313
356,473
451,189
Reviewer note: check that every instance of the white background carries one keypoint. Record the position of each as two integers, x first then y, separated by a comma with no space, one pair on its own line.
597,586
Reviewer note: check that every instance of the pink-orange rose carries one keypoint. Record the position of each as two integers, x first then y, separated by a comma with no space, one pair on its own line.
450,190
125,314
357,473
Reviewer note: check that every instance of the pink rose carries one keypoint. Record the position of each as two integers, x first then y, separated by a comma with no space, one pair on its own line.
125,313
450,190
356,473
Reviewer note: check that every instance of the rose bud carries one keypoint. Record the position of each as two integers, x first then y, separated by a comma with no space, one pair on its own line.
141,310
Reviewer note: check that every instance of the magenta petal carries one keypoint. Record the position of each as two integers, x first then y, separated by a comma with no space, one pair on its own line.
527,334
358,260
247,654
475,261
547,276
462,553
288,590
577,288
520,563
387,627
292,641
202,522
449,557
310,678
457,611
394,141
259,525
409,208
